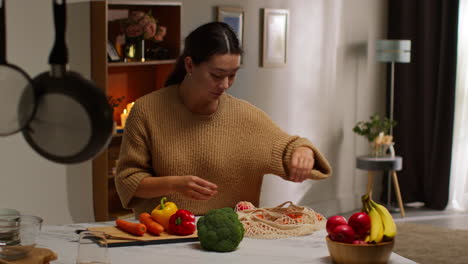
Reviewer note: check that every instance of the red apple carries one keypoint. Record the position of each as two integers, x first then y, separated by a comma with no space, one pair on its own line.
335,221
359,242
343,233
361,224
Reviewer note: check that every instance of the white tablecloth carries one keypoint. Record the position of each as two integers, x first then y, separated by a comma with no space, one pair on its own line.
306,249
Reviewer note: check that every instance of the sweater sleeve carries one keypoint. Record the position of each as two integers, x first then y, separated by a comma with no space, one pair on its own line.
282,150
321,169
134,160
280,146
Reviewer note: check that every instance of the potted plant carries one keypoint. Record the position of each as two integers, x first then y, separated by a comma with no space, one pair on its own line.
377,132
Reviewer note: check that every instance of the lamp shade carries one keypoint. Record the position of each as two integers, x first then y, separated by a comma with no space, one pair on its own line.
390,50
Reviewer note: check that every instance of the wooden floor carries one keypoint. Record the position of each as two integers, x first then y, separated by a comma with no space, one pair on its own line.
448,218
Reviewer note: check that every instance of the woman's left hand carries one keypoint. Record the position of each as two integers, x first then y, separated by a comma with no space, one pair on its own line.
302,162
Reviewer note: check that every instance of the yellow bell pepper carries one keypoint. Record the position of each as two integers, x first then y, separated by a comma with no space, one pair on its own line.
163,212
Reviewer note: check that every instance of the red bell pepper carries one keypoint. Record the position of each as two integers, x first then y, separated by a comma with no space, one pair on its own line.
182,223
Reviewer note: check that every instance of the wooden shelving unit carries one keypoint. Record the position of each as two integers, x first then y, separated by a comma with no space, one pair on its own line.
140,64
129,79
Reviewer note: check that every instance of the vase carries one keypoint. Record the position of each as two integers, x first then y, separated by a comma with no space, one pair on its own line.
135,50
382,150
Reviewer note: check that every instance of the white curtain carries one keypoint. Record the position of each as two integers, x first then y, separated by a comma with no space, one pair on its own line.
459,172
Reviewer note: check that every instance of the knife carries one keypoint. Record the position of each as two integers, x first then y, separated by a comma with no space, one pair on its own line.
108,236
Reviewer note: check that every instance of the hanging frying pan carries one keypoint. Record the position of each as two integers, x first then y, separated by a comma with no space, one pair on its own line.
73,120
17,101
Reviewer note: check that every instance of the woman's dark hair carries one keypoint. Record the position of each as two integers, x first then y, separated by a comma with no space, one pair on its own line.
201,44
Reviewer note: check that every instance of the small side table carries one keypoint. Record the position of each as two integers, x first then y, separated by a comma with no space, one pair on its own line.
372,164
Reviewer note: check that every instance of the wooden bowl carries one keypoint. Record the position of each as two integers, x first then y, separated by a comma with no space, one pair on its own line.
343,253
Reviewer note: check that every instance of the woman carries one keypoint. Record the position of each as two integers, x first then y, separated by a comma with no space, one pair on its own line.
201,147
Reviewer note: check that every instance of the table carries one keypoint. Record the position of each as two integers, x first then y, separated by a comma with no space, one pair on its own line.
306,249
392,164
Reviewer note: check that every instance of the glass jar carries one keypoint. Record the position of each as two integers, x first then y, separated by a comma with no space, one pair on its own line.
381,150
135,49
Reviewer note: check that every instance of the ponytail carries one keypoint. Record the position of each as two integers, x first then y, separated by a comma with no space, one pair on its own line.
178,74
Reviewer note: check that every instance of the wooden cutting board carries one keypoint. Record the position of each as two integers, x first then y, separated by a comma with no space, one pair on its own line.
124,239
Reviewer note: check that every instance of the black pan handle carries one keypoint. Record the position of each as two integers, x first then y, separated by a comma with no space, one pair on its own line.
59,53
2,33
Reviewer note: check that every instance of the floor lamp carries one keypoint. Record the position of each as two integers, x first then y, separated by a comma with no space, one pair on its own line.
393,51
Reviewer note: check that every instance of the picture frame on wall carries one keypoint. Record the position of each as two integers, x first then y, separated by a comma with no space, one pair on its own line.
234,17
275,37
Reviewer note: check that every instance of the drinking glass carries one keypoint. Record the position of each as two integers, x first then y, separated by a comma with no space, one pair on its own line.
18,235
92,248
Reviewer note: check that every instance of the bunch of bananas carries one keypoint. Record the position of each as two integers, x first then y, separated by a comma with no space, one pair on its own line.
383,227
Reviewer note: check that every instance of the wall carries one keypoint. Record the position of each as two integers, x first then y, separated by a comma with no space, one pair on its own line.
28,182
331,81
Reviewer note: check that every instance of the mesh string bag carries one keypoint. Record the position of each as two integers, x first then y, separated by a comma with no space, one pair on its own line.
282,221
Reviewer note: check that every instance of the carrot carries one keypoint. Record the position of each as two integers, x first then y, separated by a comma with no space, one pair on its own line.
297,217
319,217
136,229
152,226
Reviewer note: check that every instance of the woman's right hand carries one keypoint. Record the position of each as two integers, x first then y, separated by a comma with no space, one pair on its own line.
195,187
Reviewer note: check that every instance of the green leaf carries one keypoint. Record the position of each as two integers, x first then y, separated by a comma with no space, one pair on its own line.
372,127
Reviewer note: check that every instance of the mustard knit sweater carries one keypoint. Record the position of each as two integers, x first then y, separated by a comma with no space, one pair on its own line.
232,148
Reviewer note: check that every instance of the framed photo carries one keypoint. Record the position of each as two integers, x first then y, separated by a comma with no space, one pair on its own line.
234,17
112,53
275,37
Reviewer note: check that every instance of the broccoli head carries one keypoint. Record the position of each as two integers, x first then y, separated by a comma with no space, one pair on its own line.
220,230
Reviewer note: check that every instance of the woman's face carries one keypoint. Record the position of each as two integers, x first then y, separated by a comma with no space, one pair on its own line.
212,78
